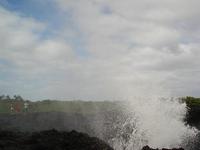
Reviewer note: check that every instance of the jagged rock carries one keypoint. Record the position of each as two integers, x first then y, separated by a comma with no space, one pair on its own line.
148,148
50,140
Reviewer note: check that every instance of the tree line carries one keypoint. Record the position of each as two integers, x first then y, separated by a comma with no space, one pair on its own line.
9,98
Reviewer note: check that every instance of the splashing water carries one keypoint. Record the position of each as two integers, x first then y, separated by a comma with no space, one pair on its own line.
156,122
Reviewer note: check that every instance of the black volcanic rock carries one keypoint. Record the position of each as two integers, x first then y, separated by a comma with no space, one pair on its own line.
50,140
148,148
192,117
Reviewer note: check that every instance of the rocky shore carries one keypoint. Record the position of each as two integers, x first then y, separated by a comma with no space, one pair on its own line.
50,140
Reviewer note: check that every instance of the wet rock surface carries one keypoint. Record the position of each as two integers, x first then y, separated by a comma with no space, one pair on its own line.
192,117
148,148
50,140
45,121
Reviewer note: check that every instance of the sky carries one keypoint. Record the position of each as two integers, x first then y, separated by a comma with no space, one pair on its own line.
99,49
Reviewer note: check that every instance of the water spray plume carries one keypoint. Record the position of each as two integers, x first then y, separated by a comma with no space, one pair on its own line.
158,122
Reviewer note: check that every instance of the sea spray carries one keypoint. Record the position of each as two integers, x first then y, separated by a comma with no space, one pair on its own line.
158,122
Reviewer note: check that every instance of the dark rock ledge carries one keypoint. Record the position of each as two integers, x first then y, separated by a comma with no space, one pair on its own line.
50,140
148,148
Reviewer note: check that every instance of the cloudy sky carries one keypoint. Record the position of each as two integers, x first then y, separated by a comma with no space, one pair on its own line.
99,49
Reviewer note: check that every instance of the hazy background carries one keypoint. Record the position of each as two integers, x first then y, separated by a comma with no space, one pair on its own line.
99,49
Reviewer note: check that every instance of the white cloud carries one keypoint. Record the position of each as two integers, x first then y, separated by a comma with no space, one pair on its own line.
25,57
132,47
144,42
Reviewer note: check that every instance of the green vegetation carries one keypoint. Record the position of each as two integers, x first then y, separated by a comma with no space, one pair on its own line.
191,101
83,107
